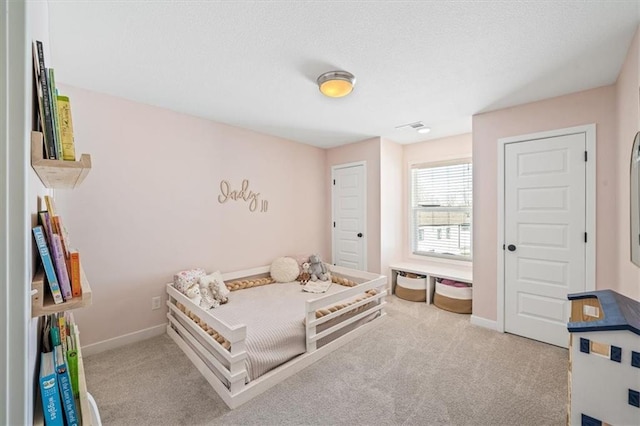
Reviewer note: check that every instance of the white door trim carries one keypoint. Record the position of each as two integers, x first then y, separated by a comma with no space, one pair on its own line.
364,213
16,403
590,273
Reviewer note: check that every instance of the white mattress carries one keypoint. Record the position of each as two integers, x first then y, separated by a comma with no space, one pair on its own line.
274,317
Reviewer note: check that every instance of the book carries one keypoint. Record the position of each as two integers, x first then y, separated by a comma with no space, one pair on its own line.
66,128
49,138
51,205
54,331
49,393
59,229
72,351
53,96
62,326
61,267
39,122
47,264
66,391
76,283
72,364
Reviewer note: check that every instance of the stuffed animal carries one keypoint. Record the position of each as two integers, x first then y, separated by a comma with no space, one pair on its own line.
207,301
317,269
193,293
304,275
217,289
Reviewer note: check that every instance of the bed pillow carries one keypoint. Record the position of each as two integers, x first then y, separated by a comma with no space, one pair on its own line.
284,269
184,280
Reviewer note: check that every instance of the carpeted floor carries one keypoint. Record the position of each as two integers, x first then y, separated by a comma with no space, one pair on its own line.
423,366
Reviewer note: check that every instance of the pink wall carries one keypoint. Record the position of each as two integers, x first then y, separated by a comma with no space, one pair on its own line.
591,106
149,207
392,208
444,149
369,151
628,115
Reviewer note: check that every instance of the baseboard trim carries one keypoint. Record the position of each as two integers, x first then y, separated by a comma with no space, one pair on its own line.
483,322
116,342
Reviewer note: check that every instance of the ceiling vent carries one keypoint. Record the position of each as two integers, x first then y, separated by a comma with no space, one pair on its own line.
417,126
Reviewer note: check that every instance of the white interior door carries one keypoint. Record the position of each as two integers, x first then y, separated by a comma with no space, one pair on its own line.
544,234
349,216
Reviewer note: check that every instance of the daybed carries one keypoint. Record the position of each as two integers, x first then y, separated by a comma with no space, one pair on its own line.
267,333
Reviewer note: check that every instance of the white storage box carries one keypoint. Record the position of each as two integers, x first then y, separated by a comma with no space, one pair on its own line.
413,289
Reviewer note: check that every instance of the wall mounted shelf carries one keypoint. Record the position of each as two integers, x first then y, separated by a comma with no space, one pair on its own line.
42,301
57,173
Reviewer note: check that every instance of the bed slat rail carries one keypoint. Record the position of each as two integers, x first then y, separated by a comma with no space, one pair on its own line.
238,377
313,338
246,273
234,334
347,309
231,357
350,292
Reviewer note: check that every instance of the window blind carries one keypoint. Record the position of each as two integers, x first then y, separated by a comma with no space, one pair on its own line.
441,203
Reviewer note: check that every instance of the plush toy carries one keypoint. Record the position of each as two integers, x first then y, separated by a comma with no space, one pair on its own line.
207,301
193,293
318,269
304,275
216,287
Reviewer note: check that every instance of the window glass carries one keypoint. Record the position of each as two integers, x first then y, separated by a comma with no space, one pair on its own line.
441,197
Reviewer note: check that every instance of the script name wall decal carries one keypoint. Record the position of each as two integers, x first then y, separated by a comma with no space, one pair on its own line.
242,194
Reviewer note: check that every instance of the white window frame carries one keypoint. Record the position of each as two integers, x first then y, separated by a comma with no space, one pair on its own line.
412,213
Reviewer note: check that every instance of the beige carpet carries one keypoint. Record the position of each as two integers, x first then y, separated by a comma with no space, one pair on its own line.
423,366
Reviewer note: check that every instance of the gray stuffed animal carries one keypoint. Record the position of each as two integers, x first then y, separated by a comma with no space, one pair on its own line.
318,269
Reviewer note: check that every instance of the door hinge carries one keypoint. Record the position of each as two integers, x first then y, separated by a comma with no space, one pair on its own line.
585,237
503,247
585,156
334,224
334,181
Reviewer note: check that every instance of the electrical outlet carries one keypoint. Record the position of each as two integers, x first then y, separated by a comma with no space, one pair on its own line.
155,303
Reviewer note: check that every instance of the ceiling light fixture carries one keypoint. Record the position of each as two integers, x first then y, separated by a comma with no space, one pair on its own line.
424,130
336,84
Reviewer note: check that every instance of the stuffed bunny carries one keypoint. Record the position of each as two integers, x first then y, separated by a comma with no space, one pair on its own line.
318,269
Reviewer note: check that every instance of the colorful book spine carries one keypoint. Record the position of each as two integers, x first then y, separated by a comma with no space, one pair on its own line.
49,137
66,128
72,364
61,267
66,391
49,393
47,264
53,97
76,284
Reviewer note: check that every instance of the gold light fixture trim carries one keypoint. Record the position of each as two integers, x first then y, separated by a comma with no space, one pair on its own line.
336,84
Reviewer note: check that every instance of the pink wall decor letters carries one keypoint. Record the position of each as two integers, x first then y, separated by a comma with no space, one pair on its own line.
243,194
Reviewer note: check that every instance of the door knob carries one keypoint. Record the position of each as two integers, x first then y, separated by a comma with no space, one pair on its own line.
511,247
359,234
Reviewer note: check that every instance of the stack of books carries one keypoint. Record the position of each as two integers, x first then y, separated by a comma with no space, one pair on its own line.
54,111
58,378
61,263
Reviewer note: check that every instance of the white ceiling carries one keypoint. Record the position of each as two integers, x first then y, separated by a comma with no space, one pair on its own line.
253,64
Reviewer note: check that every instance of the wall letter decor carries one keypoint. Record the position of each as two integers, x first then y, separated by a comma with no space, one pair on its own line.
244,194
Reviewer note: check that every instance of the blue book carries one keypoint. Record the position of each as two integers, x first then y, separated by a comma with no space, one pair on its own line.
66,391
51,406
47,263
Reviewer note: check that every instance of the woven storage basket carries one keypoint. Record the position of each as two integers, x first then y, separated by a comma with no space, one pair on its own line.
454,299
412,289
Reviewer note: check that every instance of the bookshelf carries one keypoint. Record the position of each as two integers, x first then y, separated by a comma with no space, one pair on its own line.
42,301
57,173
82,402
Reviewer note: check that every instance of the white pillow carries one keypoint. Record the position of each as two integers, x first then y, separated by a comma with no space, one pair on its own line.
285,269
217,277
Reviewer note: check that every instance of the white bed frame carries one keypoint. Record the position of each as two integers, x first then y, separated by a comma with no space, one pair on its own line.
200,349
